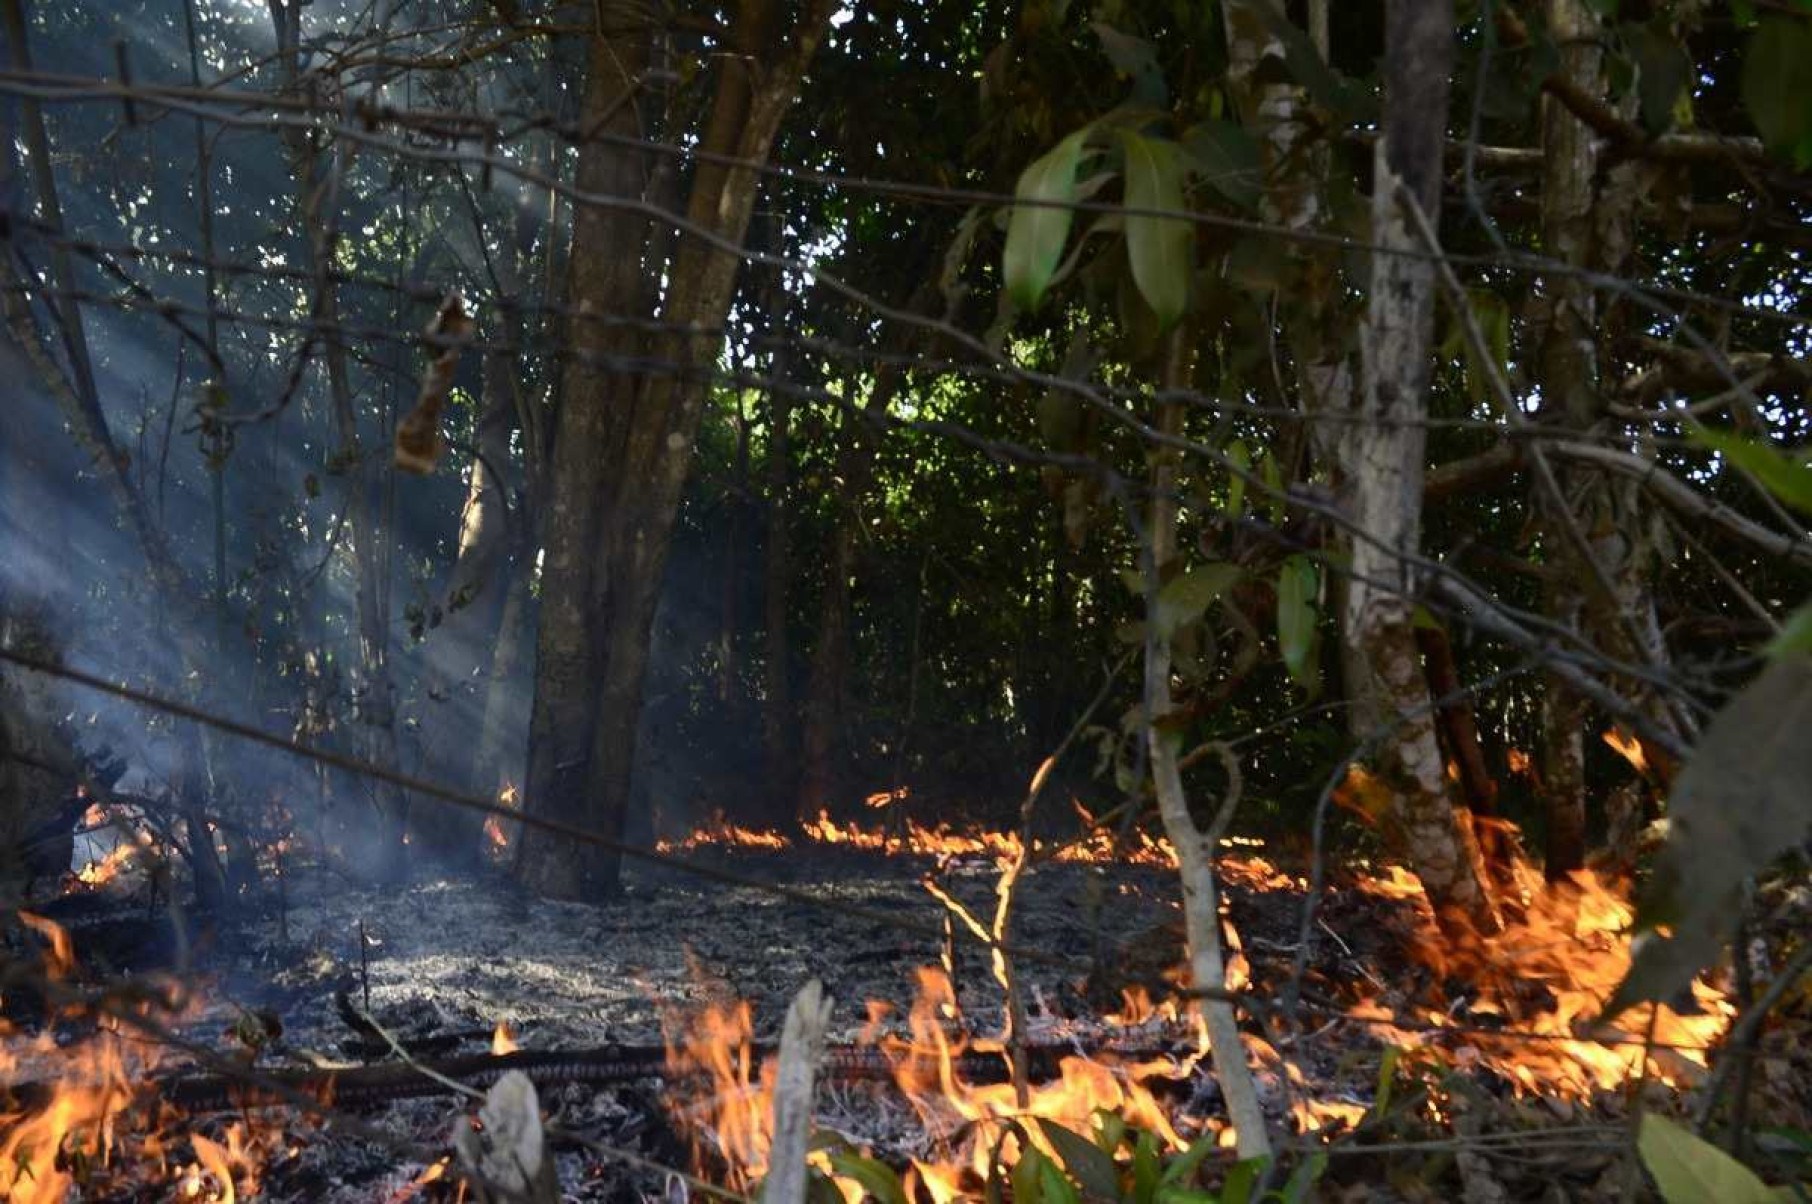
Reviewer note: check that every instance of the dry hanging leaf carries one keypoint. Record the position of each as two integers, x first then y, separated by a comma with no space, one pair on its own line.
419,444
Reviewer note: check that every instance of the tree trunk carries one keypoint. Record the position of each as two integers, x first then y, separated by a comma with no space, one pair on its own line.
777,719
1195,847
316,175
472,603
646,444
606,274
1383,464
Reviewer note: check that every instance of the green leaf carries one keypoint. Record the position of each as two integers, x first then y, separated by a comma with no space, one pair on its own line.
1387,1079
1227,160
1028,1174
1083,1159
1183,1167
1304,1177
1795,634
1307,67
1145,1169
1689,1169
1240,461
1036,234
1740,802
1237,1187
1161,249
1135,59
1664,71
1298,582
1054,1187
1788,478
1774,83
877,1178
1110,1130
1189,595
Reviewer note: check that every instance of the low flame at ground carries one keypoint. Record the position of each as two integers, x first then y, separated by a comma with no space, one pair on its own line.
967,1124
101,1131
1544,979
1097,845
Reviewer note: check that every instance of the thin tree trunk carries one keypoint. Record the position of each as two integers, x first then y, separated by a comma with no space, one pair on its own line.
1195,848
1383,464
317,176
777,719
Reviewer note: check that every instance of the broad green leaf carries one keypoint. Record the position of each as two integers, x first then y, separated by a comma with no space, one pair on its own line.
1161,249
1664,72
1690,1170
1187,1195
1795,634
1028,1174
1788,478
1054,1187
1774,81
1036,233
1227,160
1298,581
1083,1159
1181,1170
1110,1130
1740,802
877,1178
1189,594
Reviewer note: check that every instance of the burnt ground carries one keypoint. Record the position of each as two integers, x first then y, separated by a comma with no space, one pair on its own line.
443,962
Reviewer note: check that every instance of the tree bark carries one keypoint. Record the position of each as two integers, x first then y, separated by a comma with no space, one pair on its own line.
1383,465
646,448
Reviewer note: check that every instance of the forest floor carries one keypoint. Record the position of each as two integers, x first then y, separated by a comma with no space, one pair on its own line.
438,965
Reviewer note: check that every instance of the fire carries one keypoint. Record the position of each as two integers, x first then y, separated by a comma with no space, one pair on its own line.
1627,747
968,1124
500,839
1097,846
503,1039
95,1131
1545,979
99,873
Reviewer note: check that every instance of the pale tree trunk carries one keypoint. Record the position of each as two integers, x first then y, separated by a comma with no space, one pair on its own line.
646,445
317,175
1195,847
1383,458
472,605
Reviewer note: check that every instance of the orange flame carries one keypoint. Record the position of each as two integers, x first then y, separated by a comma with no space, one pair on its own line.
97,1133
503,1039
1627,747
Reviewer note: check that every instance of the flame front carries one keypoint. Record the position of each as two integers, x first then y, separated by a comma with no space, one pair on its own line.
98,1131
